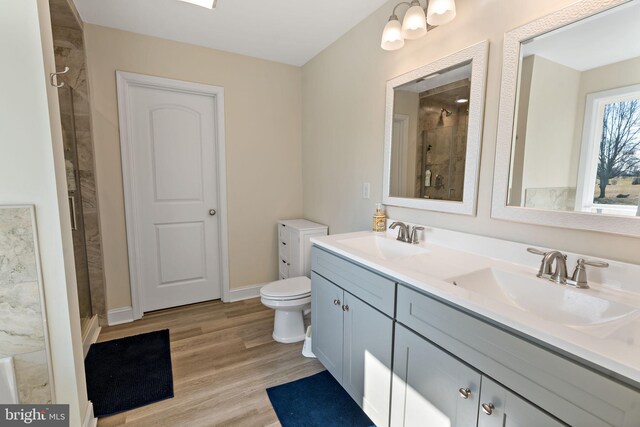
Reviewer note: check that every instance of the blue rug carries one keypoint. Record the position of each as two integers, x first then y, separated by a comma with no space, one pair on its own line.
129,372
316,401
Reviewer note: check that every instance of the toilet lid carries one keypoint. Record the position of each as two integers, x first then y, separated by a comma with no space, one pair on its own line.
287,288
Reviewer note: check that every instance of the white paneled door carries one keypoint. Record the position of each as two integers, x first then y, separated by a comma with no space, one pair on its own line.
172,184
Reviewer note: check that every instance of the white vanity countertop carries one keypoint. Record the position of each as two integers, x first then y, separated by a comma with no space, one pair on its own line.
613,346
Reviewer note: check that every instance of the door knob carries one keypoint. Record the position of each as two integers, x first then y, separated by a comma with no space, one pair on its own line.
336,302
345,308
212,212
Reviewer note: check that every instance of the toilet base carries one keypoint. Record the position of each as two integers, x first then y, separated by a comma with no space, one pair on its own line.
288,326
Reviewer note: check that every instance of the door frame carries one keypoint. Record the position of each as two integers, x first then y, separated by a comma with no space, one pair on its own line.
124,81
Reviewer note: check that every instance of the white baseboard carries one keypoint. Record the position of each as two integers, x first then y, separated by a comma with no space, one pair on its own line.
90,334
120,315
245,293
89,419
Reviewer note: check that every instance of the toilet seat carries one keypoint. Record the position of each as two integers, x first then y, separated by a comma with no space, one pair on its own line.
287,289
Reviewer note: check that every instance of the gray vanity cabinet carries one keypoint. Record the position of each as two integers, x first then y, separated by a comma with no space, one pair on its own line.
447,361
430,386
573,393
505,409
351,338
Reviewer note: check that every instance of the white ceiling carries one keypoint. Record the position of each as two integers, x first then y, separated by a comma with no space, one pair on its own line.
289,31
607,38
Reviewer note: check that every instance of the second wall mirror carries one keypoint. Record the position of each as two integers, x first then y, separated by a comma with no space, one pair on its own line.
568,151
433,132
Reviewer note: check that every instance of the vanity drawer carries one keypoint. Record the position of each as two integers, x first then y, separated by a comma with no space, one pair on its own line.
570,391
374,289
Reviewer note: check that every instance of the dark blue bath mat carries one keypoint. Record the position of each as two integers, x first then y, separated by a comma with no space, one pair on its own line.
316,401
129,372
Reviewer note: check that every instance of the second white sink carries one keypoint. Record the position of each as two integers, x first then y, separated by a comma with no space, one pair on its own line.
565,305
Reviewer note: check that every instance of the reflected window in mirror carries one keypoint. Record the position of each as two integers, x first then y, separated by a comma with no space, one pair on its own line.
576,136
429,139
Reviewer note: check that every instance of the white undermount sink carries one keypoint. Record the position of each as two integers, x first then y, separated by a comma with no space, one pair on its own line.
382,247
562,304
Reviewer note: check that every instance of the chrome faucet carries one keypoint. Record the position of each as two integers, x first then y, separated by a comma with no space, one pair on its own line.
403,233
559,275
407,233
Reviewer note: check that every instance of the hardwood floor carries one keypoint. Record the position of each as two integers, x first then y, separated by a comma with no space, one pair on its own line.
223,360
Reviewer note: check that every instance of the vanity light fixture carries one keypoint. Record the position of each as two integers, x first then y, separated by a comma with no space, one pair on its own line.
414,25
209,4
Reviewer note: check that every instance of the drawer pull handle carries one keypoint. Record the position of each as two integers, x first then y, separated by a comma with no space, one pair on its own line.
464,393
488,408
336,302
284,243
284,262
345,308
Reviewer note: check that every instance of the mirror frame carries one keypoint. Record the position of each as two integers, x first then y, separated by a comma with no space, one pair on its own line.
478,55
506,119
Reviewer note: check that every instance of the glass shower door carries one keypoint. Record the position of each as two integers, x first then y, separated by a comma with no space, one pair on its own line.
67,114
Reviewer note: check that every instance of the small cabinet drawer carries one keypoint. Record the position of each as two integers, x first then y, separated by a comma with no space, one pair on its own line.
283,233
284,268
284,250
374,289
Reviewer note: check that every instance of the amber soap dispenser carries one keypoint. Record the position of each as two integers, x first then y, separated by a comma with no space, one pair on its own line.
379,219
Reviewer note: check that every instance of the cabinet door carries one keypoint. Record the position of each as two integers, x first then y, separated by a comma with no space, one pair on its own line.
431,387
502,408
368,340
327,324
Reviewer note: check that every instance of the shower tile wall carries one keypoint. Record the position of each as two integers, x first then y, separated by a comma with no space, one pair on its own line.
442,142
22,331
69,51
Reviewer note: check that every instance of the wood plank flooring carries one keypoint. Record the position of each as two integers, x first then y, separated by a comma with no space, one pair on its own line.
223,358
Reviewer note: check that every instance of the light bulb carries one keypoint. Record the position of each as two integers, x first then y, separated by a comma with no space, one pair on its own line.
441,12
392,35
414,24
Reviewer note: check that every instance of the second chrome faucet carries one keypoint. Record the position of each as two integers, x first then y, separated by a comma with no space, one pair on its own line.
559,274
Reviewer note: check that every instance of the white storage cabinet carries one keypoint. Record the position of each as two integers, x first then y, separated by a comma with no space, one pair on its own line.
294,246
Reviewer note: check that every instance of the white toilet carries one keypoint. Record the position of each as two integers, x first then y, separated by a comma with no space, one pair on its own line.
289,298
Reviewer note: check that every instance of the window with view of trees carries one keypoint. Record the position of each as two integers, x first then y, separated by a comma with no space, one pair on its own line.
609,171
618,168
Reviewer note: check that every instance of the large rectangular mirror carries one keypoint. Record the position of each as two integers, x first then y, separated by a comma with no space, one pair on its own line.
433,133
568,149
